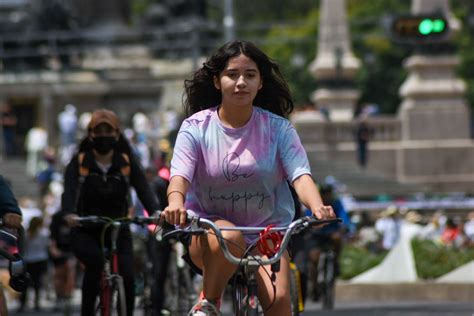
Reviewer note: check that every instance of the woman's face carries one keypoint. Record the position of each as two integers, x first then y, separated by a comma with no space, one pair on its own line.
239,82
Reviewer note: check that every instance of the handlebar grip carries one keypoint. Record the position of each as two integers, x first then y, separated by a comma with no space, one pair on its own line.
7,255
189,218
313,221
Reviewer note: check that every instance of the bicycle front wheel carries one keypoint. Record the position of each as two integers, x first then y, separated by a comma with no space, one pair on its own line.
329,282
239,293
116,304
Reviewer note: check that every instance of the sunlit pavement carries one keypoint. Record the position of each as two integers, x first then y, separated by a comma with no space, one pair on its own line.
365,308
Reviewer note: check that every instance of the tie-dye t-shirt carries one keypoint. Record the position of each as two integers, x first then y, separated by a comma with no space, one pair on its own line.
240,174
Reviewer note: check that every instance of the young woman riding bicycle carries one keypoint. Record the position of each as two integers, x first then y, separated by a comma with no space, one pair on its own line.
97,182
231,162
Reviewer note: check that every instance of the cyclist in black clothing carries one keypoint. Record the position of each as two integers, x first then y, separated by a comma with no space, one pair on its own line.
97,182
159,251
10,213
10,217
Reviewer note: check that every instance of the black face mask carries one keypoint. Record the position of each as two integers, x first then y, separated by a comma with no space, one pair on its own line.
104,144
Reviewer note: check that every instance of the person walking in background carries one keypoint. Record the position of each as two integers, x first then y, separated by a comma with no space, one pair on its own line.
36,142
143,150
389,225
36,259
67,122
82,124
141,125
469,229
29,209
46,174
363,133
9,123
451,235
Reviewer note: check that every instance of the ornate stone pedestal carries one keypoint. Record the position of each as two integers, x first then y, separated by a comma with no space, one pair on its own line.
436,148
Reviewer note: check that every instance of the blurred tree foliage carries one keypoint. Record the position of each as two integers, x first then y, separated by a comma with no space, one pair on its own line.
380,75
464,11
292,42
294,45
288,31
433,260
354,260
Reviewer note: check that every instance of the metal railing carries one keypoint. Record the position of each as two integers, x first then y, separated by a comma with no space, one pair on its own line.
383,128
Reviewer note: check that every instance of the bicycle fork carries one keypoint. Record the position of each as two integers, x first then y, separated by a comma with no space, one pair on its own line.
251,300
110,267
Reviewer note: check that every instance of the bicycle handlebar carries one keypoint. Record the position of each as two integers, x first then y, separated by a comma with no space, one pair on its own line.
19,277
295,227
139,220
4,253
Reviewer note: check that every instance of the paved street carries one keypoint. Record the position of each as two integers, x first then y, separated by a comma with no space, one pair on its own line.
418,308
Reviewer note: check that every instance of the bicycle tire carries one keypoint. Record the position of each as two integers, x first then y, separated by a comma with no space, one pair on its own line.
188,295
117,303
239,294
328,282
146,299
296,296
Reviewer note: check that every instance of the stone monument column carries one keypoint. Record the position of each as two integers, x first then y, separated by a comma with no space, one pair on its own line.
436,147
335,65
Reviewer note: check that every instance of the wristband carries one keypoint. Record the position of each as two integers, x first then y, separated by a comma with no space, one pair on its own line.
176,191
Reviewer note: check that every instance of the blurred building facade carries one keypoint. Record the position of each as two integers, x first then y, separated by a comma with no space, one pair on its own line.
90,54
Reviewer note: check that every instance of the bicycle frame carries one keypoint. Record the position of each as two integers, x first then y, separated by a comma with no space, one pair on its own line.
110,277
326,277
110,271
251,263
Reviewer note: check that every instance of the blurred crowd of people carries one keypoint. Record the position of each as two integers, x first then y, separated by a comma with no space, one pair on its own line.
47,251
381,232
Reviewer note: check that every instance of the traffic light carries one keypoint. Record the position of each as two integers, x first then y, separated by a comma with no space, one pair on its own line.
420,29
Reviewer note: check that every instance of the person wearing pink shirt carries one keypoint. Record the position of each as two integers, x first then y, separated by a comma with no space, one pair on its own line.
234,158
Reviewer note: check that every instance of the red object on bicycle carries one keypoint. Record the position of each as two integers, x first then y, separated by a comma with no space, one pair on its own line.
274,237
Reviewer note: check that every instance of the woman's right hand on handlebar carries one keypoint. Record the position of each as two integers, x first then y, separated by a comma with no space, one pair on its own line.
174,214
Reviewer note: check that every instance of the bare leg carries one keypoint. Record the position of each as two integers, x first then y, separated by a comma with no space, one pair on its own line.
275,302
70,278
207,255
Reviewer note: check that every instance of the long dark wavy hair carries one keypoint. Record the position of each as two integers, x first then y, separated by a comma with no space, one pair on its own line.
200,92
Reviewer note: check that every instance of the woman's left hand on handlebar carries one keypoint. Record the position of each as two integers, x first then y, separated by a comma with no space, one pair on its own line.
324,212
12,220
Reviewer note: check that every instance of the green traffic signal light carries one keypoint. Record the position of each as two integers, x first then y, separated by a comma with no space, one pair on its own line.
425,27
428,26
439,26
419,29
